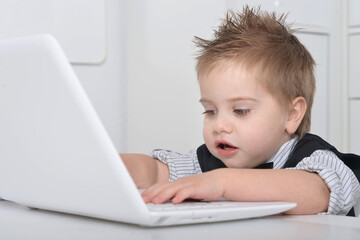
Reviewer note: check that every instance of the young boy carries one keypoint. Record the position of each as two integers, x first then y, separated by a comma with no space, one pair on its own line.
257,86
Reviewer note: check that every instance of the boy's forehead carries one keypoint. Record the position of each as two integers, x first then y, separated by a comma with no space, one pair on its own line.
244,80
231,80
237,70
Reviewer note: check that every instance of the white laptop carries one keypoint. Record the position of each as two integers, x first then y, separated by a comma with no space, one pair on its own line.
56,155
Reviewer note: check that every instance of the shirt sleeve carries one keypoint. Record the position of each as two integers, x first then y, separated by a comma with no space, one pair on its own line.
342,182
180,165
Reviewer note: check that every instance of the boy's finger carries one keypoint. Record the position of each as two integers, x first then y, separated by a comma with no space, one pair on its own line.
182,195
149,194
166,193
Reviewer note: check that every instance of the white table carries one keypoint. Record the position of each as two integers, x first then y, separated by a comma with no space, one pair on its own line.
18,222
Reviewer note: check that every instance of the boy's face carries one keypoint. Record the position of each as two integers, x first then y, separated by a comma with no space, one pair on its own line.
244,125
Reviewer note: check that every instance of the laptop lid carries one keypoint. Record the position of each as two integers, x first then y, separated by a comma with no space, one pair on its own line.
55,153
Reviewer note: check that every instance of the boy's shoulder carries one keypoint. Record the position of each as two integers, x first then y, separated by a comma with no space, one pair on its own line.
310,143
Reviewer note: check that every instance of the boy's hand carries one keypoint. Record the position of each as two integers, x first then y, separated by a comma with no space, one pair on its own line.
202,186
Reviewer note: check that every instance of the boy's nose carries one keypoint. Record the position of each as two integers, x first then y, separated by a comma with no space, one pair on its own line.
223,125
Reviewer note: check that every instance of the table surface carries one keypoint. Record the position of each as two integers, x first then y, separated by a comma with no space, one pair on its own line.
19,222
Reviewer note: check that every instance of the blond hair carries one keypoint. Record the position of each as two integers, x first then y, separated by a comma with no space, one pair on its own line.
264,43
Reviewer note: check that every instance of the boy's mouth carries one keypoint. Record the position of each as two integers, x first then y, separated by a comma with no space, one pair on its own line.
226,146
223,145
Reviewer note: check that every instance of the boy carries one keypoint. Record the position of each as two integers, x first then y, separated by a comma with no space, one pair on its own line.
257,86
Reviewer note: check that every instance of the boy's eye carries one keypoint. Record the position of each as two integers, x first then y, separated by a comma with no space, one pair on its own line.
210,112
241,111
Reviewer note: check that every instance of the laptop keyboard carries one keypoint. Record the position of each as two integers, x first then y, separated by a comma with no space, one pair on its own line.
190,205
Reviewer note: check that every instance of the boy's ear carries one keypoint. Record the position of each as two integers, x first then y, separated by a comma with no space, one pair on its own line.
296,114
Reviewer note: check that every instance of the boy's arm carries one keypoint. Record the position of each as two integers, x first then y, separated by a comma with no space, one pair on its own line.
145,170
306,189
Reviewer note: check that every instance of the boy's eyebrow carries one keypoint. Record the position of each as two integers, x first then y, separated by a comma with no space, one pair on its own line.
232,99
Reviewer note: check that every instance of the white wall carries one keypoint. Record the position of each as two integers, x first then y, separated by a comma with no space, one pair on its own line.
93,35
353,50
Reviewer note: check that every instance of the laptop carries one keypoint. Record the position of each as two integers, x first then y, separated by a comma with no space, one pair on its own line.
56,155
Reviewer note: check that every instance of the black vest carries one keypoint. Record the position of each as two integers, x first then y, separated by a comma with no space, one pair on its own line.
304,148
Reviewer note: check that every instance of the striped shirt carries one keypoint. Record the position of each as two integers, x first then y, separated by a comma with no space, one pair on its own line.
341,181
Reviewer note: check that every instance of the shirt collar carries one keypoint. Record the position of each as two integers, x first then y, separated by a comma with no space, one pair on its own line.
280,157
